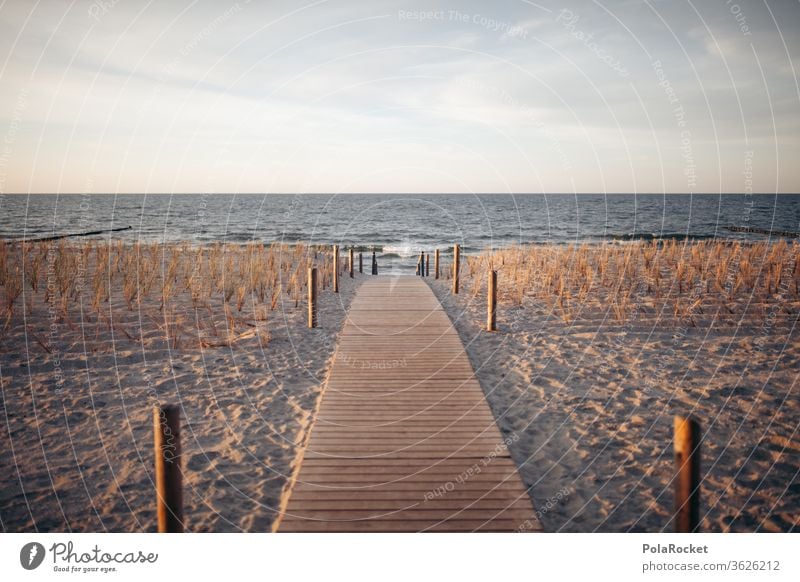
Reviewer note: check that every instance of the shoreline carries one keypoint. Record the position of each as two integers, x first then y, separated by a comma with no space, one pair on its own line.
399,249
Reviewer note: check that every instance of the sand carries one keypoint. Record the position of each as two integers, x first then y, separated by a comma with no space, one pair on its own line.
76,441
592,403
587,403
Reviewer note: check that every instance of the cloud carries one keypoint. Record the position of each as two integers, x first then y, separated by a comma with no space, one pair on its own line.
330,95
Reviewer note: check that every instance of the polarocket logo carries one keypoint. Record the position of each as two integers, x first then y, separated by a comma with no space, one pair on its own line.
31,555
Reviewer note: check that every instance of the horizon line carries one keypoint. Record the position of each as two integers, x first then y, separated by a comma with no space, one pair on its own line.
397,193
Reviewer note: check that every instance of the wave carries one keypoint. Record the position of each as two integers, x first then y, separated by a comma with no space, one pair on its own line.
404,250
238,237
634,236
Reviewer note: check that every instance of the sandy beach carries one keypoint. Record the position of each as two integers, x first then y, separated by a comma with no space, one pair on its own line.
591,396
77,425
583,379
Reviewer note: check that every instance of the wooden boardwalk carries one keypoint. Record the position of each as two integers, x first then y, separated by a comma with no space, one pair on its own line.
404,439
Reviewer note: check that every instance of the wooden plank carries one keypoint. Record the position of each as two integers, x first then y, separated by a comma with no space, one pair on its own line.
377,469
454,465
406,490
354,448
449,526
482,443
460,497
455,411
354,418
391,386
429,421
404,439
436,504
422,402
419,432
417,513
422,455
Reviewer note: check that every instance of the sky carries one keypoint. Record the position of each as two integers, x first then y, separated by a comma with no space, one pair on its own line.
399,97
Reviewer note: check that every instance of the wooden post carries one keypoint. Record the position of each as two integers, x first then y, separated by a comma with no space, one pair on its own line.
335,268
360,262
312,297
350,262
421,264
428,265
374,264
436,265
169,486
687,479
491,300
456,267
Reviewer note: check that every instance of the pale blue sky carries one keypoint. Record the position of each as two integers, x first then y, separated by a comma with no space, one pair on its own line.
505,96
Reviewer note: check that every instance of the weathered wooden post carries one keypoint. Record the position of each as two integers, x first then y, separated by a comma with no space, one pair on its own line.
374,264
360,262
169,479
312,297
456,267
350,262
436,265
491,301
428,265
687,480
421,264
335,268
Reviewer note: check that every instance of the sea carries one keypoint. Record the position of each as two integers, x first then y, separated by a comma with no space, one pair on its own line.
398,226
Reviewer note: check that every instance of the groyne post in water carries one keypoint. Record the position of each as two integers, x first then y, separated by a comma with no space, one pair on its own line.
312,297
436,265
169,479
491,302
350,262
335,268
687,479
456,267
360,262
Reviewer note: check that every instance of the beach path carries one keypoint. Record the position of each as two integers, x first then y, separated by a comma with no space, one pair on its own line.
404,439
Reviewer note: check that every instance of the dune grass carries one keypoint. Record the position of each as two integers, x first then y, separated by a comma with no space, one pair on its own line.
672,280
221,289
